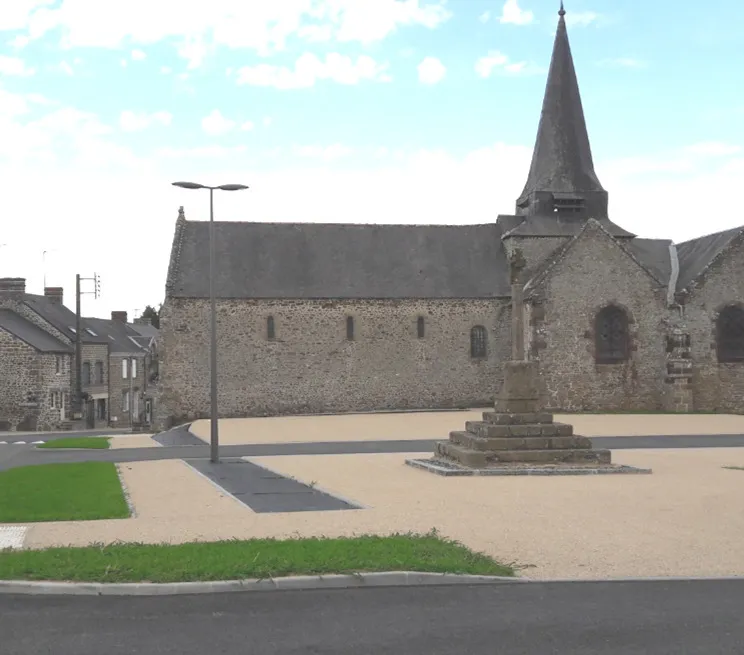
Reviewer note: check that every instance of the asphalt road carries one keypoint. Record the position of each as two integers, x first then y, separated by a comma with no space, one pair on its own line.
12,456
659,618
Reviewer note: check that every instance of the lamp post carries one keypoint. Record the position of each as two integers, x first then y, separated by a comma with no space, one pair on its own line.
213,433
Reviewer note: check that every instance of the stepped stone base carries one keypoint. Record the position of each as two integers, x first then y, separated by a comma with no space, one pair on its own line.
518,439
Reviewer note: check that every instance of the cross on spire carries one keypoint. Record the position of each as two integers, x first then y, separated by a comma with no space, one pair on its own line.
562,180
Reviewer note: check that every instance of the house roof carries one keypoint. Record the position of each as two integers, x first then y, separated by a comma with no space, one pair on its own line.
120,336
62,318
145,329
697,254
31,334
311,260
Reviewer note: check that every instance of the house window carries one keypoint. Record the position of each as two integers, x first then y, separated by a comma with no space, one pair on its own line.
58,365
51,400
478,342
611,335
730,334
86,373
270,328
124,368
101,409
134,367
350,328
99,373
420,327
125,401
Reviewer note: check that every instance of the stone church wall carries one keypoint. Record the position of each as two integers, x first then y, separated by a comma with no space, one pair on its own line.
716,386
595,273
311,367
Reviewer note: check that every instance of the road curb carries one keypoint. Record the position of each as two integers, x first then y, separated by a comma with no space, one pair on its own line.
385,579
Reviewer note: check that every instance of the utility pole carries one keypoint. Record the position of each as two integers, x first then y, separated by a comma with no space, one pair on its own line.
77,412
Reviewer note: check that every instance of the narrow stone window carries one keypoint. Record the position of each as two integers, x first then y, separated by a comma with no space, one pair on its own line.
478,342
270,328
350,328
730,335
86,373
420,327
611,335
99,373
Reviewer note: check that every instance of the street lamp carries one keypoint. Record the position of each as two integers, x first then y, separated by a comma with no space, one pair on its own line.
214,434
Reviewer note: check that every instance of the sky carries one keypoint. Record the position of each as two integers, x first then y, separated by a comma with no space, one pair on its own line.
356,111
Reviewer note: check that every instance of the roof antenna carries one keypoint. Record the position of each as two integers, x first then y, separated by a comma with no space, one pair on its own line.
561,11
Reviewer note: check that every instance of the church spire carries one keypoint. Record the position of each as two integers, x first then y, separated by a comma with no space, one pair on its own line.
562,181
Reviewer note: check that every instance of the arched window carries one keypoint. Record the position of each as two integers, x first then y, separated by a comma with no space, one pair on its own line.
478,342
270,328
350,328
420,327
730,334
611,336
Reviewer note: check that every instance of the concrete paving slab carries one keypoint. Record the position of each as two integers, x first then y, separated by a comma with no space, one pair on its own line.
133,441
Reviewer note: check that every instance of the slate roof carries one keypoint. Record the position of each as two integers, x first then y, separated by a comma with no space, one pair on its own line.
654,255
562,159
553,226
121,337
61,317
31,334
311,260
697,254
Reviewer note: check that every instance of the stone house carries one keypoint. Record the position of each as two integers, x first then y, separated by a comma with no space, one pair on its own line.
129,367
335,318
49,315
37,364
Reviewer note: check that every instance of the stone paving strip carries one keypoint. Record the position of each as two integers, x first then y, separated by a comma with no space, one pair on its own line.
684,520
437,425
265,491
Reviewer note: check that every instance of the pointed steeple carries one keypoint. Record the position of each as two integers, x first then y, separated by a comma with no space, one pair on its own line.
562,181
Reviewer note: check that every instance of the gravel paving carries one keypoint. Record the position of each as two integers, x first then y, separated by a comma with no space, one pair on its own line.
683,520
438,425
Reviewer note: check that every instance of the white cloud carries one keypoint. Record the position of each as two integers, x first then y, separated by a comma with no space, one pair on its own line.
498,61
581,18
309,69
324,153
14,66
215,124
431,71
485,17
623,62
138,55
131,121
514,15
713,149
19,42
247,126
264,27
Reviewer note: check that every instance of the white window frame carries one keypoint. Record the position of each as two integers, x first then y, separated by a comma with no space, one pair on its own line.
125,402
134,367
124,368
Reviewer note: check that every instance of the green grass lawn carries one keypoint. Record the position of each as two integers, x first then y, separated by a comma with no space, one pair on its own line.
256,558
61,492
77,442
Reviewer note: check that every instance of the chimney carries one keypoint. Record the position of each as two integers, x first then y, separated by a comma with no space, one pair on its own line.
55,294
119,316
12,287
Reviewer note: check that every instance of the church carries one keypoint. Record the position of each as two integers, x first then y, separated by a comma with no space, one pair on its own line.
326,318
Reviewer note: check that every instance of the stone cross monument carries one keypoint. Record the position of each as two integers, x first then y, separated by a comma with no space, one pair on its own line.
517,438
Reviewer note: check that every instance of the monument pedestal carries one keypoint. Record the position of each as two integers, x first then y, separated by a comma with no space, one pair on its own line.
519,439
